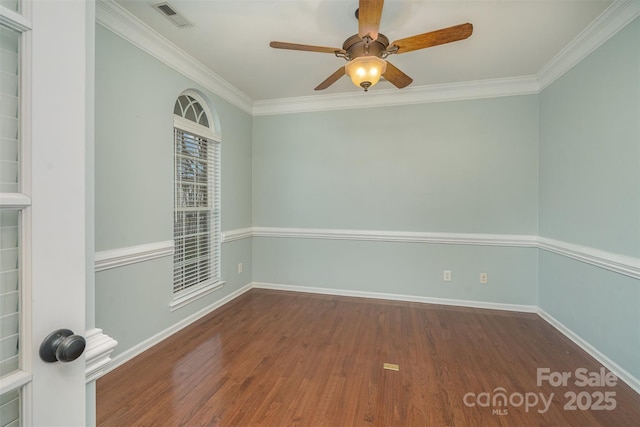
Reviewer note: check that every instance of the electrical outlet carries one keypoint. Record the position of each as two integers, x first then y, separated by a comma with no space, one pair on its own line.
239,267
446,276
484,278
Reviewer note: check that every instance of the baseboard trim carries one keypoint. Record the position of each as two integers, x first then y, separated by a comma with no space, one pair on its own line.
134,351
619,371
612,366
399,297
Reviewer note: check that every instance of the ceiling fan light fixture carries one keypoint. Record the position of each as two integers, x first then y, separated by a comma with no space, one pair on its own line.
365,71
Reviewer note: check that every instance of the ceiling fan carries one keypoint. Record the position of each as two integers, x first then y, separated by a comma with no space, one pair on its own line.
366,52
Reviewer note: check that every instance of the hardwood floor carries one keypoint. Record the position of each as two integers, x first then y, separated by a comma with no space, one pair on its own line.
273,358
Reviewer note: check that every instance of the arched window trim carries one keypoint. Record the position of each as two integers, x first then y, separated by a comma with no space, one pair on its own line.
186,291
194,128
183,123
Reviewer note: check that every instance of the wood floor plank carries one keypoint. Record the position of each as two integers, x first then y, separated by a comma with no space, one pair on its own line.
273,358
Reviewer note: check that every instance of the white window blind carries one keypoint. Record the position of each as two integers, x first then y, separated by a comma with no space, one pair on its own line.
9,219
11,250
11,4
9,291
10,405
196,212
9,109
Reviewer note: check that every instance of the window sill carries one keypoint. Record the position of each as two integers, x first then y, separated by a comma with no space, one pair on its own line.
183,300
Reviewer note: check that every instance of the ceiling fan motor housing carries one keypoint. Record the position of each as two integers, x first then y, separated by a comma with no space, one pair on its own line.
357,47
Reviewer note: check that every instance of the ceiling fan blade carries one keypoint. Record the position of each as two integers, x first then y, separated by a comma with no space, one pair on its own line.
434,38
369,14
304,47
396,77
331,79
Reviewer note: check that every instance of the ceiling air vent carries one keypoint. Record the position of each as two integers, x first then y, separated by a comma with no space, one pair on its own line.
172,14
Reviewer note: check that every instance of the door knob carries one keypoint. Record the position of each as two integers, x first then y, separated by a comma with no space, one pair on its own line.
62,345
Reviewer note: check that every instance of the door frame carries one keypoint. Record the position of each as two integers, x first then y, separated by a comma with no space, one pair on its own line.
56,200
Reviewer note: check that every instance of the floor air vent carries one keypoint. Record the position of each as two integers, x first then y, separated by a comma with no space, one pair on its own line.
172,14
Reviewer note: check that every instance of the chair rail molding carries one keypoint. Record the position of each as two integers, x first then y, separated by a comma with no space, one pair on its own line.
237,234
399,236
622,264
114,258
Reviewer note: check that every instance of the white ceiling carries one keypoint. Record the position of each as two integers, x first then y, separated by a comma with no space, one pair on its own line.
511,38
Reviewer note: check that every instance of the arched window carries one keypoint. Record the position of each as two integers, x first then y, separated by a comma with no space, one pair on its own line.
196,223
189,108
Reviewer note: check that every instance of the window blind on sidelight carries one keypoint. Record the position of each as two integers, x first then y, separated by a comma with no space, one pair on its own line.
9,109
9,290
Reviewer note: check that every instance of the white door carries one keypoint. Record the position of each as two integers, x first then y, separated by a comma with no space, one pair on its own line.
46,205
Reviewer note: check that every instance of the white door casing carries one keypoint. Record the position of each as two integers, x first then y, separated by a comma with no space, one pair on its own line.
56,126
57,204
59,58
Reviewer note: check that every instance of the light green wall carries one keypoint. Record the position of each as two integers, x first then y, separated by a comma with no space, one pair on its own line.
590,149
133,301
601,307
468,166
411,269
134,147
135,95
590,195
464,167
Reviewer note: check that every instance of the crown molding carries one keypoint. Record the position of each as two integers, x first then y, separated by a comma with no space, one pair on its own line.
609,23
619,14
492,88
117,19
121,22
